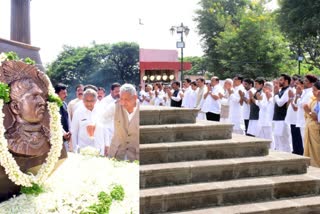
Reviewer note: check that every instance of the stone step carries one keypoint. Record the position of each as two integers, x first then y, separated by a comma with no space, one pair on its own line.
305,205
202,195
238,146
202,130
155,115
276,163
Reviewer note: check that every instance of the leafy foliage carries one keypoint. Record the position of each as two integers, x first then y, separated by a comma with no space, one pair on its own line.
5,92
199,65
55,99
105,201
212,19
29,61
117,193
246,39
300,21
35,189
12,55
99,65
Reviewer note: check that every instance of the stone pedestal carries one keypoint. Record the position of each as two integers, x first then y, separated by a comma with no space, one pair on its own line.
23,50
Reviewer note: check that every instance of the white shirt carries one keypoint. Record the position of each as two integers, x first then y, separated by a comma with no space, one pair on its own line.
266,110
72,106
246,107
158,99
148,97
210,104
235,110
178,97
186,101
284,98
107,101
304,99
200,96
80,138
291,117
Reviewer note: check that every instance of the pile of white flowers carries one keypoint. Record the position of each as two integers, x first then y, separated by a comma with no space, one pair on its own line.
89,150
76,184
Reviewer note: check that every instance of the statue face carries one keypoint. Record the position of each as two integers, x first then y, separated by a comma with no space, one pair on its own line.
32,105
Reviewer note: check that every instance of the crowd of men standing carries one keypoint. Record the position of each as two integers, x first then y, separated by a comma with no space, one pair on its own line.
109,124
286,110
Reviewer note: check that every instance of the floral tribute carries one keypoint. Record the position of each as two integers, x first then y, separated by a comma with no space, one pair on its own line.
6,158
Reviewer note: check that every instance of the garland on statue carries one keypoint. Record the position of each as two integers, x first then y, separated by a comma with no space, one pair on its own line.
6,159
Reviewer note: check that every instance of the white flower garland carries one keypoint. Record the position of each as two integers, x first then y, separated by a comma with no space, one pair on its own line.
10,165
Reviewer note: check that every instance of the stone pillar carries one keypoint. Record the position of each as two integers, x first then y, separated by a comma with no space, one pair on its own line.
20,21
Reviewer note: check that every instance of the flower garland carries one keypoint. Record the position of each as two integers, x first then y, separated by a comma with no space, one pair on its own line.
8,162
10,165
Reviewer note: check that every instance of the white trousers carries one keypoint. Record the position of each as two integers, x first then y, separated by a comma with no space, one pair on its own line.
266,133
282,136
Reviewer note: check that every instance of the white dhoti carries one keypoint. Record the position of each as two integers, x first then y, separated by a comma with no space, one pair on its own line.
201,116
266,133
253,127
282,136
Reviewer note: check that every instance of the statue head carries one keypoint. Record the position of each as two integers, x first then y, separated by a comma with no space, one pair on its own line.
27,102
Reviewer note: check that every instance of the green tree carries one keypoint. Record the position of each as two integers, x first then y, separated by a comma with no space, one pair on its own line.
242,37
99,65
256,47
72,66
199,65
125,59
300,21
212,19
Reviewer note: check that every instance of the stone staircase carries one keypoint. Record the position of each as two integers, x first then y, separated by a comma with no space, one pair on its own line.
201,168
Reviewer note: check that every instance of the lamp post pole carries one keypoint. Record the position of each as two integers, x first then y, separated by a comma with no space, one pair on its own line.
180,44
182,57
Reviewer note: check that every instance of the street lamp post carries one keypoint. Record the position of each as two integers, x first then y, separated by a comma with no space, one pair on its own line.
180,44
300,58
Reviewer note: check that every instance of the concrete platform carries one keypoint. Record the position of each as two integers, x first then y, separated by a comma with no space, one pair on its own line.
238,146
166,174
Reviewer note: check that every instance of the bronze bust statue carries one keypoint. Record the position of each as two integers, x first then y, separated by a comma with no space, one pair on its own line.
27,136
26,121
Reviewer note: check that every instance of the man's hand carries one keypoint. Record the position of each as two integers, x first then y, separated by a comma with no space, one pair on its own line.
241,93
258,95
290,94
106,151
66,136
318,96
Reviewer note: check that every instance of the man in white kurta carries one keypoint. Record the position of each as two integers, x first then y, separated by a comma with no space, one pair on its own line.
248,85
201,91
281,130
75,103
87,115
212,102
266,105
235,110
187,101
